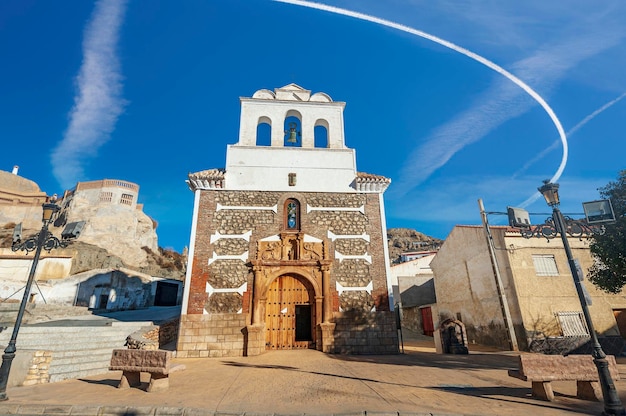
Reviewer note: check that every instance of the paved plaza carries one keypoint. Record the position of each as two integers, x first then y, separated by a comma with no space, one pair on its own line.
418,382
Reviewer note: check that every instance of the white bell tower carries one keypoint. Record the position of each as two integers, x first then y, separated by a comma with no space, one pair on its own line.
291,163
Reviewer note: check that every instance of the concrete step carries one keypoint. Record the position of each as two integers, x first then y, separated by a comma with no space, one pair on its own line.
58,342
101,365
82,345
82,370
85,354
68,341
77,351
72,357
38,312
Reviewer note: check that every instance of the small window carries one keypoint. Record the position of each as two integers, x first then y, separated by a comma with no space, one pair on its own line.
127,199
106,196
572,324
545,265
292,215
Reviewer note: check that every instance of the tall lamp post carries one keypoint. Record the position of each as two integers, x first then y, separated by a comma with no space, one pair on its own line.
42,240
612,403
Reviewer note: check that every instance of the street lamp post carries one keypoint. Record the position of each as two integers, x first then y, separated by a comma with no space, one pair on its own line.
42,240
612,403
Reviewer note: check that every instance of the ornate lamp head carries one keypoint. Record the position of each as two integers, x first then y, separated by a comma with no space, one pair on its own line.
550,192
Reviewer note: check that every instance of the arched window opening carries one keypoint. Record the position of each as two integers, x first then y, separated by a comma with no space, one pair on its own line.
293,132
321,137
292,215
264,132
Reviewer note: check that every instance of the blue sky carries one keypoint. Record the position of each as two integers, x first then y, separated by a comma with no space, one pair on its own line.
147,91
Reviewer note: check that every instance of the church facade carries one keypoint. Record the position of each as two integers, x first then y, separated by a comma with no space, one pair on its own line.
288,244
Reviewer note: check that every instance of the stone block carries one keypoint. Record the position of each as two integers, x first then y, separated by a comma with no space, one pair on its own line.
588,390
140,358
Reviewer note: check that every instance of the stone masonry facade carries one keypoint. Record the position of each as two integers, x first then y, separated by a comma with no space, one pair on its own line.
219,308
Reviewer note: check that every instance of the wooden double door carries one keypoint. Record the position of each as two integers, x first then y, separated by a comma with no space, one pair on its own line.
289,314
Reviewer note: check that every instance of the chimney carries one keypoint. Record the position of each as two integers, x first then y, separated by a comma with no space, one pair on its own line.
15,169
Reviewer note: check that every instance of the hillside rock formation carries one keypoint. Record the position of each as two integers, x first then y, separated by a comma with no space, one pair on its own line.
86,256
115,233
401,240
122,231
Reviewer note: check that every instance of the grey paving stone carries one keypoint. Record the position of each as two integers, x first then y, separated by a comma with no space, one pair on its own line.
31,409
170,411
85,411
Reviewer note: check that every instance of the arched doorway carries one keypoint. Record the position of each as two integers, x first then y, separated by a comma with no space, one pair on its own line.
290,314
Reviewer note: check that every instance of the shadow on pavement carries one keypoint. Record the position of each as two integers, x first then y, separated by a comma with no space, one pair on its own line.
106,382
341,376
501,394
154,314
508,395
473,361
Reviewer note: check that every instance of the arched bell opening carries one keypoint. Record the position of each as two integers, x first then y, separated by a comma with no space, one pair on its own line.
293,129
264,132
320,132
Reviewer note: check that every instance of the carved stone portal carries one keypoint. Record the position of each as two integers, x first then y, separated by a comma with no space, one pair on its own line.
303,257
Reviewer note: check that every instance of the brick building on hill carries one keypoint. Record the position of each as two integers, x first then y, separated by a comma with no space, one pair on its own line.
288,246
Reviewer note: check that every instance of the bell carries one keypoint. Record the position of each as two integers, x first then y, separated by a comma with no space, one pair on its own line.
293,133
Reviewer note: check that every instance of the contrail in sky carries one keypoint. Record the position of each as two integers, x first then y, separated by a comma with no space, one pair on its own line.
569,133
98,101
550,148
456,48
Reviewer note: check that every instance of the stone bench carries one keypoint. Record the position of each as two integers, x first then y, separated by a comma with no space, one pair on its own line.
133,362
542,369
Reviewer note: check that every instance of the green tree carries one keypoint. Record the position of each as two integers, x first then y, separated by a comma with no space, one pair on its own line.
609,250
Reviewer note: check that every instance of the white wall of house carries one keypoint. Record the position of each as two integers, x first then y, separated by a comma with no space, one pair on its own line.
465,286
466,289
542,298
15,268
411,273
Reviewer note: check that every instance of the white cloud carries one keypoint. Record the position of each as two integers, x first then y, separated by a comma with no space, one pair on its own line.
456,199
543,70
571,132
98,102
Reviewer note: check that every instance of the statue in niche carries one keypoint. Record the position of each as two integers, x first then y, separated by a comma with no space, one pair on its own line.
290,248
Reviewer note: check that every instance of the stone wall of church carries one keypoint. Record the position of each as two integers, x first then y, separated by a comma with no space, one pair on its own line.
215,335
231,279
233,273
365,333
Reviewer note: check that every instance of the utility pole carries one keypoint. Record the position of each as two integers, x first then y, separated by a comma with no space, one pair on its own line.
504,304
